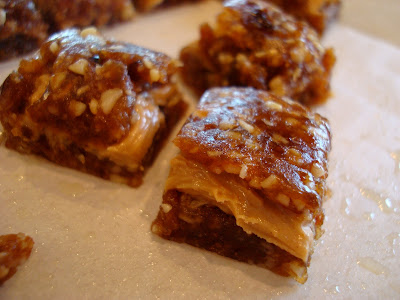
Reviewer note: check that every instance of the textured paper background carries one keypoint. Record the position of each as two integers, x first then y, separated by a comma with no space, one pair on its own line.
93,240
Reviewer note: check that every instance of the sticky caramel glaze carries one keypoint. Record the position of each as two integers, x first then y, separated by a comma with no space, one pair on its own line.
253,43
15,249
208,227
22,28
256,135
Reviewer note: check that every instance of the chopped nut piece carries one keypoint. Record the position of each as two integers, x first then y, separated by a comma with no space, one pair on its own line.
79,66
283,199
109,98
269,182
41,86
272,105
54,47
155,75
93,106
317,170
57,79
82,90
246,126
89,31
148,64
243,172
166,207
2,17
77,108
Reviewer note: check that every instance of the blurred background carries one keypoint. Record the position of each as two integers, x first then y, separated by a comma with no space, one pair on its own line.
379,18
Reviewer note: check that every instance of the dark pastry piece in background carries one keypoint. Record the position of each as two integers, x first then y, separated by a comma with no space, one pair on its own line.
319,14
254,43
21,28
62,14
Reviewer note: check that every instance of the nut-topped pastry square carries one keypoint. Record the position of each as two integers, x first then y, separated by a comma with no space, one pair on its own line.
254,43
249,180
92,104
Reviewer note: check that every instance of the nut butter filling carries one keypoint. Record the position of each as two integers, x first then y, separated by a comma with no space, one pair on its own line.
292,232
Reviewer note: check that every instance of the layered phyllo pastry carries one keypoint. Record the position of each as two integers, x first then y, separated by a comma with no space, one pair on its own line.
249,180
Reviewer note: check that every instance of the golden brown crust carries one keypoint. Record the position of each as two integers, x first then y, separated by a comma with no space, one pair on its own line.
278,146
21,28
319,14
256,44
207,227
15,249
81,94
62,14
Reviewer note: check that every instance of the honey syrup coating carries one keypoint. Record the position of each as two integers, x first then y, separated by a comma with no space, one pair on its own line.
62,14
85,85
22,28
254,43
277,146
15,249
319,14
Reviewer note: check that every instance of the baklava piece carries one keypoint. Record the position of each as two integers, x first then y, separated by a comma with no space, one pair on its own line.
256,44
93,104
249,180
15,249
21,28
318,13
62,14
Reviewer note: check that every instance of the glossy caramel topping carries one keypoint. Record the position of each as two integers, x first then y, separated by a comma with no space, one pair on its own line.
276,145
85,85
